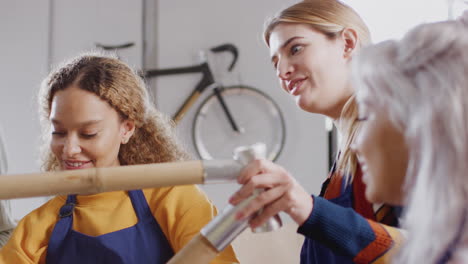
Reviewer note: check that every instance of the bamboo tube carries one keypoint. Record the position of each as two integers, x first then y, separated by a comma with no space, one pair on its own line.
214,237
87,181
198,251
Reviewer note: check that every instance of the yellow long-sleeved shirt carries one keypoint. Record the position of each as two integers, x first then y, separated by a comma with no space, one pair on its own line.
180,211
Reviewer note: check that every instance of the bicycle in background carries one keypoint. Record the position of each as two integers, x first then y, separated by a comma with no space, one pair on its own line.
231,116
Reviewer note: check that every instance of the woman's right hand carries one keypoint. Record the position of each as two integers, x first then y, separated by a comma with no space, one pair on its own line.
282,193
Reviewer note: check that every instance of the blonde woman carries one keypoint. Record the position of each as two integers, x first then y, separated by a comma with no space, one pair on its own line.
97,113
413,100
311,45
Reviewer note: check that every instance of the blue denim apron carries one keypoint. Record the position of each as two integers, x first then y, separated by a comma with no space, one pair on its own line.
142,243
313,252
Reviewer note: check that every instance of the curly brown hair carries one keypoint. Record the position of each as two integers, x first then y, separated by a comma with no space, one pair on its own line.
116,83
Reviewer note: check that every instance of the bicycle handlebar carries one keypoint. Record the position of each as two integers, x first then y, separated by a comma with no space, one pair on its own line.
230,48
114,47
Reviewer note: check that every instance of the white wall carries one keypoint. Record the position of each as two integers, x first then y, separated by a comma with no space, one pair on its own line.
79,25
23,64
392,19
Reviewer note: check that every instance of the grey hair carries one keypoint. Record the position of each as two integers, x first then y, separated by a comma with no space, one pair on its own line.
421,81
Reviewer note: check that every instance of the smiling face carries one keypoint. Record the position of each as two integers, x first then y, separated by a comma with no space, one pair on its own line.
312,67
86,130
383,154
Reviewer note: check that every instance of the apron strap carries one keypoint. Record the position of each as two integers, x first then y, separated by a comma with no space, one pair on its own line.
140,205
62,228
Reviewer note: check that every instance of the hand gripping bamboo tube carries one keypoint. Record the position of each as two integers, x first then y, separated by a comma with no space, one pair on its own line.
87,181
244,155
224,228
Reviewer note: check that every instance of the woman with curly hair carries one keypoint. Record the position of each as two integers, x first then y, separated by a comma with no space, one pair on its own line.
97,113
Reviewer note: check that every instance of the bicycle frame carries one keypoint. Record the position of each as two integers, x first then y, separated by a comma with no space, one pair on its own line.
206,81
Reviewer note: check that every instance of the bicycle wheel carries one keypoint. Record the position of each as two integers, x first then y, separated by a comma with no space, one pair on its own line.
257,115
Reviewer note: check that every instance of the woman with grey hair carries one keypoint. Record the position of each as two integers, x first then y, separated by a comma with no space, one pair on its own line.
413,144
6,222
